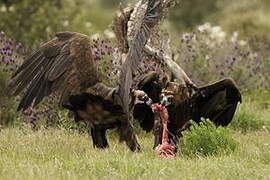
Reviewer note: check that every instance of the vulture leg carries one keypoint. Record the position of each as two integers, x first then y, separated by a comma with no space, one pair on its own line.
127,134
218,102
99,137
157,130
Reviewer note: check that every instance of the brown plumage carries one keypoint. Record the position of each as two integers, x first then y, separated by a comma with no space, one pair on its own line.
142,19
65,65
216,102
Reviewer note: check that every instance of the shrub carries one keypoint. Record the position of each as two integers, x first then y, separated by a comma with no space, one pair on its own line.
65,121
210,54
31,22
9,60
188,14
249,18
11,56
206,139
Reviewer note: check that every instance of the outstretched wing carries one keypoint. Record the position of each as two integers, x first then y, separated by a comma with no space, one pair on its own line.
145,16
64,64
218,101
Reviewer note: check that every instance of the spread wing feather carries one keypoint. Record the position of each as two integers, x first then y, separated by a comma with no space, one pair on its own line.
64,64
146,14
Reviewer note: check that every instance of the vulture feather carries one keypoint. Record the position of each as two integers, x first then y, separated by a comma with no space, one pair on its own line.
65,65
68,58
217,102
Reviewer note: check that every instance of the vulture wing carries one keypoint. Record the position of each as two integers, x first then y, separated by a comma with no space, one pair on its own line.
144,17
64,64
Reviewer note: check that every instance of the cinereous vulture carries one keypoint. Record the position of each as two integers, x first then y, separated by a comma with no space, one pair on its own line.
216,102
184,100
65,66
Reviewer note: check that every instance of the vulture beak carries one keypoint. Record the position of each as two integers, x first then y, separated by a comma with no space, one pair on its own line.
166,100
149,101
142,96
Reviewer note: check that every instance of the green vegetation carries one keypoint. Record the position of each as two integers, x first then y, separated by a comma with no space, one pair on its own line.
247,120
234,43
249,18
67,153
254,113
7,114
206,139
32,22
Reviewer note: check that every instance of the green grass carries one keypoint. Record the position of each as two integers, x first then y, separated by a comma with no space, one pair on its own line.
254,113
63,154
68,154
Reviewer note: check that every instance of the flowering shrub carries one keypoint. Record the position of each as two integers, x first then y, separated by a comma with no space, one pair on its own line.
210,54
11,56
9,61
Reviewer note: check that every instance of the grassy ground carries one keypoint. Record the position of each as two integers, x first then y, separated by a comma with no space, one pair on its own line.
61,154
65,154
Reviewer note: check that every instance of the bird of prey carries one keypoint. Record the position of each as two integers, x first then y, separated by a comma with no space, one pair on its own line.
184,100
65,65
216,102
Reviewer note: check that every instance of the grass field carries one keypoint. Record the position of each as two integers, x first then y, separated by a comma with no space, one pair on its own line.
66,154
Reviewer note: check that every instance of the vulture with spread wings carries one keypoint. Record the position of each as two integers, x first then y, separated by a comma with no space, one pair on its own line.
183,99
216,102
65,66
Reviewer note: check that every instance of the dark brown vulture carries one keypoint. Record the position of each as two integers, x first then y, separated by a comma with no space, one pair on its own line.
216,102
183,99
65,66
